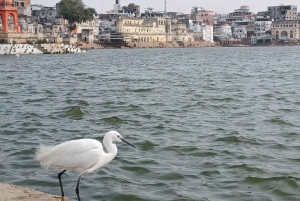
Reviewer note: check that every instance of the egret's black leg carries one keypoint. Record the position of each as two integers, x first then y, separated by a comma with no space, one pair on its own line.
61,188
77,188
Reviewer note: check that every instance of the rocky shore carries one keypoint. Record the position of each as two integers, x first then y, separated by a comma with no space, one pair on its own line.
10,192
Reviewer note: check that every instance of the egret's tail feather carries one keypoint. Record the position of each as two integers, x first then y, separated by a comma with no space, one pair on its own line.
46,155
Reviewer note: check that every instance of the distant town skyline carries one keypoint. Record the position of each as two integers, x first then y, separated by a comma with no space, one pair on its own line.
181,6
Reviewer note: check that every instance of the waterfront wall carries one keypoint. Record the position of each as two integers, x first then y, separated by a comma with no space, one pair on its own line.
18,49
13,49
59,48
171,44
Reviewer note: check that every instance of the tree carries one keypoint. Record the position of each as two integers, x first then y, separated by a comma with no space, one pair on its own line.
75,11
88,14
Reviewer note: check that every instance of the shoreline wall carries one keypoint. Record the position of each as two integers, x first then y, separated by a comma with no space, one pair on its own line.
13,49
13,192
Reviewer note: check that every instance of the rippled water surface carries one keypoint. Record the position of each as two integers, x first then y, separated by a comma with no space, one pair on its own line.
211,124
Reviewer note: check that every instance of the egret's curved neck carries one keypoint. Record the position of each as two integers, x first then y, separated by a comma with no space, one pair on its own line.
110,147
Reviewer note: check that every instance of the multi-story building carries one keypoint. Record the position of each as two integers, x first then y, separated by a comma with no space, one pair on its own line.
262,26
241,14
199,14
221,18
223,30
89,29
23,6
283,12
243,29
208,17
286,30
43,14
208,33
157,29
180,32
240,32
195,14
202,31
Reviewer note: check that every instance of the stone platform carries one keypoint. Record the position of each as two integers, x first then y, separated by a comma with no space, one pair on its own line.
14,49
19,49
59,49
11,192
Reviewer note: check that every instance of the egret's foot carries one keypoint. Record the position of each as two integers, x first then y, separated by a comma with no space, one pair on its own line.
60,198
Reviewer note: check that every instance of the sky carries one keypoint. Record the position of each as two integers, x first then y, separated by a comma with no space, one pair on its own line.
184,6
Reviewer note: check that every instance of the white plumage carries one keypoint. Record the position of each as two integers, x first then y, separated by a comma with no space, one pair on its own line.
81,156
77,155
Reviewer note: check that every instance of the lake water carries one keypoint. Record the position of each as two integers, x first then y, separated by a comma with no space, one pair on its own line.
210,124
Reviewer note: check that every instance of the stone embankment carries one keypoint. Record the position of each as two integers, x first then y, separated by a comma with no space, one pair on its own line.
59,49
19,49
11,192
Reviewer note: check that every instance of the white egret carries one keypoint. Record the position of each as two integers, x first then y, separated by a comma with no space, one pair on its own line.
81,156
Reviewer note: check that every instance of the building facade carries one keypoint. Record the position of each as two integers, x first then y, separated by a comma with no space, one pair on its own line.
43,14
286,30
208,33
261,27
195,14
240,15
202,31
287,12
239,33
89,29
208,17
157,29
181,33
223,30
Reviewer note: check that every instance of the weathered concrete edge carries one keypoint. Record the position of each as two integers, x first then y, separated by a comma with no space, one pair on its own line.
10,192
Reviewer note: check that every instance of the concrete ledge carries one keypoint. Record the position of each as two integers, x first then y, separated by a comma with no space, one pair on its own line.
11,192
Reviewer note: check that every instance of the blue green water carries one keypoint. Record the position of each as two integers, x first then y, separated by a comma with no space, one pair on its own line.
211,124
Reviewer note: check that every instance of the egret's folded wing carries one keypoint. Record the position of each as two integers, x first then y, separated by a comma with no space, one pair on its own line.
73,154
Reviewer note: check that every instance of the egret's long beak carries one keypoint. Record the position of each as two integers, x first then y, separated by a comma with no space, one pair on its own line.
127,142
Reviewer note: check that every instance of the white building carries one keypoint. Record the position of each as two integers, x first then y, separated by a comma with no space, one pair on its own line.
89,29
206,32
240,32
223,30
261,27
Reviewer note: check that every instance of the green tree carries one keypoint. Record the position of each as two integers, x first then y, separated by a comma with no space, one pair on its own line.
88,14
75,11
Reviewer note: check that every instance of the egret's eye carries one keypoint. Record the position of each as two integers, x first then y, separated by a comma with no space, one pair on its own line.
118,136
